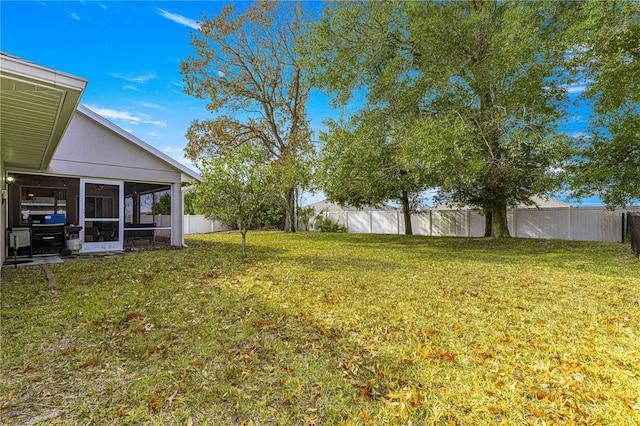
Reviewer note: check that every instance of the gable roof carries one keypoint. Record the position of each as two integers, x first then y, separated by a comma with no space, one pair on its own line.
187,172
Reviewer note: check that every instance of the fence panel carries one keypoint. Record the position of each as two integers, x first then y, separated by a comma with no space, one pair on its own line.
340,218
544,223
198,224
451,223
596,224
384,222
477,224
634,231
421,223
360,222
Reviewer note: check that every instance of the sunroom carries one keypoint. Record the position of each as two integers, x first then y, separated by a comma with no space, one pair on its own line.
93,184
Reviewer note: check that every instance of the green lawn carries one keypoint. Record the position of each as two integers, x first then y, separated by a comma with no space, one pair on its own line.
328,329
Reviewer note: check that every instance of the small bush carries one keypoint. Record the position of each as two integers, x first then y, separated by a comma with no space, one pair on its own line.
305,214
325,224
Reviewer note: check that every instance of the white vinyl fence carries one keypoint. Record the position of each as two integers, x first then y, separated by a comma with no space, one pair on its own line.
565,223
572,223
198,224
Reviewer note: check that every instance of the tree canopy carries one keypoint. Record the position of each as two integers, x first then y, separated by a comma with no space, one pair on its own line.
361,164
606,40
235,187
479,103
245,64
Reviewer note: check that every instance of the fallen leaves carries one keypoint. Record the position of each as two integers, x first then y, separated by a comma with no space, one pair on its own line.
330,329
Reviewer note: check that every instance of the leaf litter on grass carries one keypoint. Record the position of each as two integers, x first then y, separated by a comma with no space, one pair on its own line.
330,329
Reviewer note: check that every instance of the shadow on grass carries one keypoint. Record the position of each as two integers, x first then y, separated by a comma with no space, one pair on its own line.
148,330
168,335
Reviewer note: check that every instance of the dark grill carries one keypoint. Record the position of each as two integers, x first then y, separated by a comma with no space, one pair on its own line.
47,233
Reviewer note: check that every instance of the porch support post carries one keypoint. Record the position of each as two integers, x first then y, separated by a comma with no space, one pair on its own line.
177,213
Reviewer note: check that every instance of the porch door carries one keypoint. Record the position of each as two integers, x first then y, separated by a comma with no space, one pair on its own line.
101,215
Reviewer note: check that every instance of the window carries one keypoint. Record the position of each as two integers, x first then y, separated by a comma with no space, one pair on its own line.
41,200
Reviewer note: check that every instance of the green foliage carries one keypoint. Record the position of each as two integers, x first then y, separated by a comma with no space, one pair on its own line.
323,223
247,68
361,163
270,215
235,189
163,206
189,205
461,69
328,329
305,215
606,36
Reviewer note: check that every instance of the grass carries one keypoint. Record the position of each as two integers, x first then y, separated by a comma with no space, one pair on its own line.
328,329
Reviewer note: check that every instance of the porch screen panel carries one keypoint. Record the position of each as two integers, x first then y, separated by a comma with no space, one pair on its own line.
101,210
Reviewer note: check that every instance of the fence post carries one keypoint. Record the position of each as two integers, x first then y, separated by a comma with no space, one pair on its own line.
398,221
633,223
570,230
370,222
468,222
430,223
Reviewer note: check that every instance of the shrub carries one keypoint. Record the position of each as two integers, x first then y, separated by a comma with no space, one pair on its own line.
325,224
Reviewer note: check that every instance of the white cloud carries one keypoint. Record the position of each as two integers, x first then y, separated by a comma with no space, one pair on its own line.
182,20
130,118
577,88
580,135
172,149
115,114
131,87
75,16
175,84
151,105
154,134
134,78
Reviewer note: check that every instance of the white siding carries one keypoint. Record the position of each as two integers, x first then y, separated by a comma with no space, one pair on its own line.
91,150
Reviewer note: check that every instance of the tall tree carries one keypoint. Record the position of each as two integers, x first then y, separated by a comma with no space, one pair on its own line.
235,187
482,102
361,164
246,66
606,41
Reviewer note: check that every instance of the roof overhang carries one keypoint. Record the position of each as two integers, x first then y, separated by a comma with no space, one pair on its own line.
36,106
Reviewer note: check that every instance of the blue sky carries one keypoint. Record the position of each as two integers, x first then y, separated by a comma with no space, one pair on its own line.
130,53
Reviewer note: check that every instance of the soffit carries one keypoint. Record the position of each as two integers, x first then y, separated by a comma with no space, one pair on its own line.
36,105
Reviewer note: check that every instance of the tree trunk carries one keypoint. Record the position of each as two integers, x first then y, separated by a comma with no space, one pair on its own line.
244,242
290,211
499,228
406,210
488,222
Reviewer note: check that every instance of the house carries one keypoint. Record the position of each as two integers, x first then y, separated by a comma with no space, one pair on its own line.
62,163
